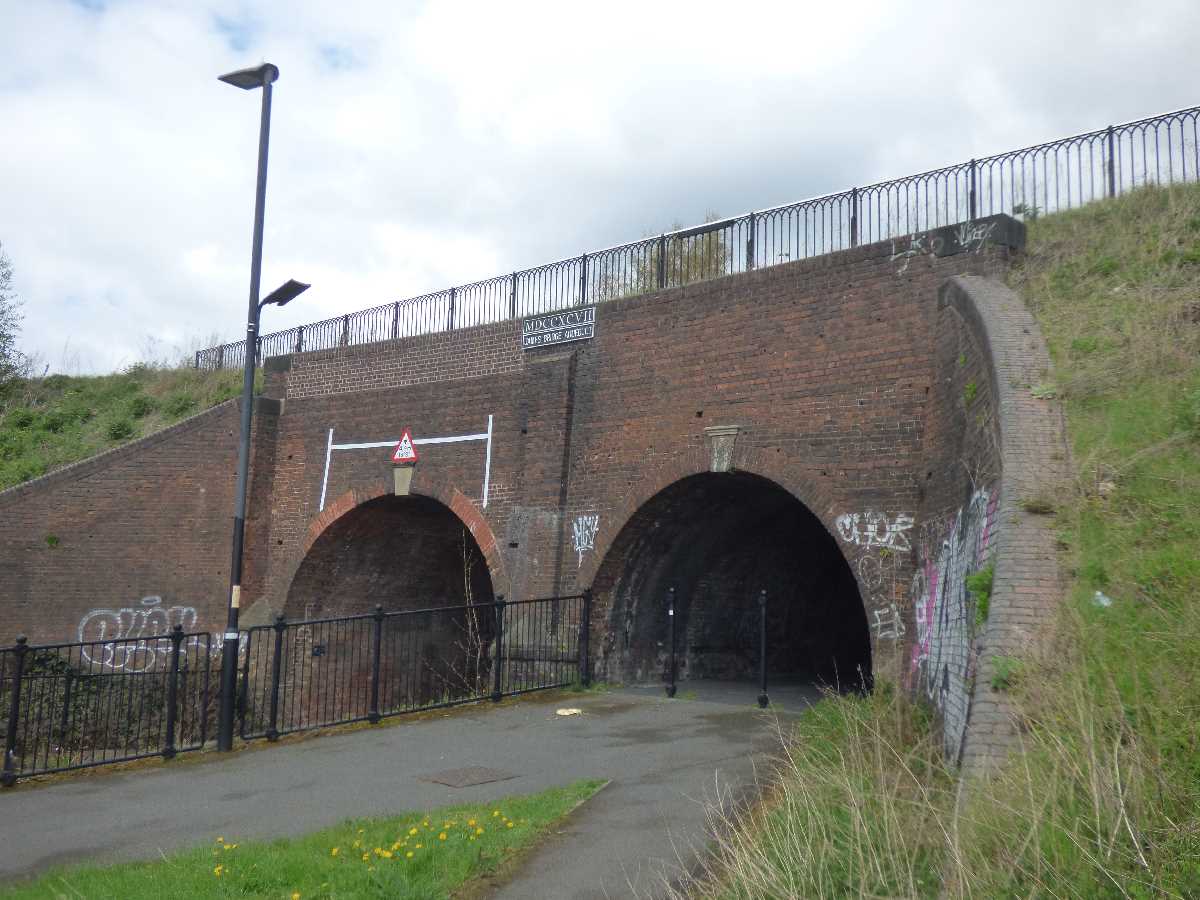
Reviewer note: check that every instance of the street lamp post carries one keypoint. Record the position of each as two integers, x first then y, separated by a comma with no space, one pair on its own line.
247,79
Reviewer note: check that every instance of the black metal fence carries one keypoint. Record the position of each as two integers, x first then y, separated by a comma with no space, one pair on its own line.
309,674
1045,178
74,705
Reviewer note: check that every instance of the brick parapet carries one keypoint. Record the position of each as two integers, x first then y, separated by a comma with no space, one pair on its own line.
1028,580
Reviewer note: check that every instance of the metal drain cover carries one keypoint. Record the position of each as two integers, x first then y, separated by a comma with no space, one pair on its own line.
468,776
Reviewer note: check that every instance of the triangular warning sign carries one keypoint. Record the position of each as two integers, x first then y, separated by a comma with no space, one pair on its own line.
406,451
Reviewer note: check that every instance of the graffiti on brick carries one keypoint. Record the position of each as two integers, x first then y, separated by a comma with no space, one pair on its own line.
135,638
942,661
583,531
889,624
875,529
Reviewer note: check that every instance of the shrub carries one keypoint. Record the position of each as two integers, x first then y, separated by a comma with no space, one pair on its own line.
179,404
119,429
139,406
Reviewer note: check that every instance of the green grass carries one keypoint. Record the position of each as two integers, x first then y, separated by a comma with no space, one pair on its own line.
413,855
1102,796
46,423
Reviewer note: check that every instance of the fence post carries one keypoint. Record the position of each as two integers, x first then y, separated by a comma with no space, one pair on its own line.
1112,164
585,637
453,300
276,670
65,722
197,365
671,641
9,776
220,357
173,691
750,243
242,700
583,281
762,650
662,261
972,203
512,297
498,660
300,339
376,647
854,217
396,320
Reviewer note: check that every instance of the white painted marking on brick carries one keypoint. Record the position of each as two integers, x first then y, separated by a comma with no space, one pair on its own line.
487,463
325,480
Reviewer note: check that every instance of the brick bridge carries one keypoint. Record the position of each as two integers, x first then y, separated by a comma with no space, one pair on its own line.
846,432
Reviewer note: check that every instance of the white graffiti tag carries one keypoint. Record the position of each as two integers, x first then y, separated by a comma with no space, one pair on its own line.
875,529
971,237
888,623
134,638
584,531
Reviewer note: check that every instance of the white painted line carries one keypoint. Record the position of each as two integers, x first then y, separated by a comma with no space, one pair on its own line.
325,480
442,440
487,463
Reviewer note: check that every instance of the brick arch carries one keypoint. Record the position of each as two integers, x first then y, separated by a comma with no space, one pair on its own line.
697,461
447,494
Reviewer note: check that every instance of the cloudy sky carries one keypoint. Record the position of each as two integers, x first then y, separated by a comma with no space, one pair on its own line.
419,145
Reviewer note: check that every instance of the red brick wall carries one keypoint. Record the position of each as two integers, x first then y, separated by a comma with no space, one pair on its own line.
149,520
828,366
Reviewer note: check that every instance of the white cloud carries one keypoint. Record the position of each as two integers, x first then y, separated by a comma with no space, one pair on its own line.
416,146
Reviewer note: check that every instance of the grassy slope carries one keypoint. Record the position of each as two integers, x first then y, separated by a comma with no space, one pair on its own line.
417,855
1103,798
46,423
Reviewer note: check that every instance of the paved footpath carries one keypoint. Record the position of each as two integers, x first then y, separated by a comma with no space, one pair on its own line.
665,758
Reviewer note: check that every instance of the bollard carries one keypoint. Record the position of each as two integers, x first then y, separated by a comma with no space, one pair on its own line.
763,700
671,641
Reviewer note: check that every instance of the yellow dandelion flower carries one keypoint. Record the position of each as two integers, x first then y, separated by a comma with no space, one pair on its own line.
335,851
495,812
295,895
471,837
442,836
397,845
419,846
361,830
426,823
447,824
230,846
386,854
412,831
479,831
356,844
366,857
471,822
218,870
220,840
508,824
408,855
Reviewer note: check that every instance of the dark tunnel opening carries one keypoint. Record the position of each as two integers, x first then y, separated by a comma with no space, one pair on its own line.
719,539
399,552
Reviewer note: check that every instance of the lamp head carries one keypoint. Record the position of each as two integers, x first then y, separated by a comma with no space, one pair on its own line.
285,293
249,79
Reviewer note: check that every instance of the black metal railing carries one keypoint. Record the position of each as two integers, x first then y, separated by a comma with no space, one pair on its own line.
315,673
1045,178
74,705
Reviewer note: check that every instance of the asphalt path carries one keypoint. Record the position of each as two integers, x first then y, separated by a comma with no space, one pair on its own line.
666,760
